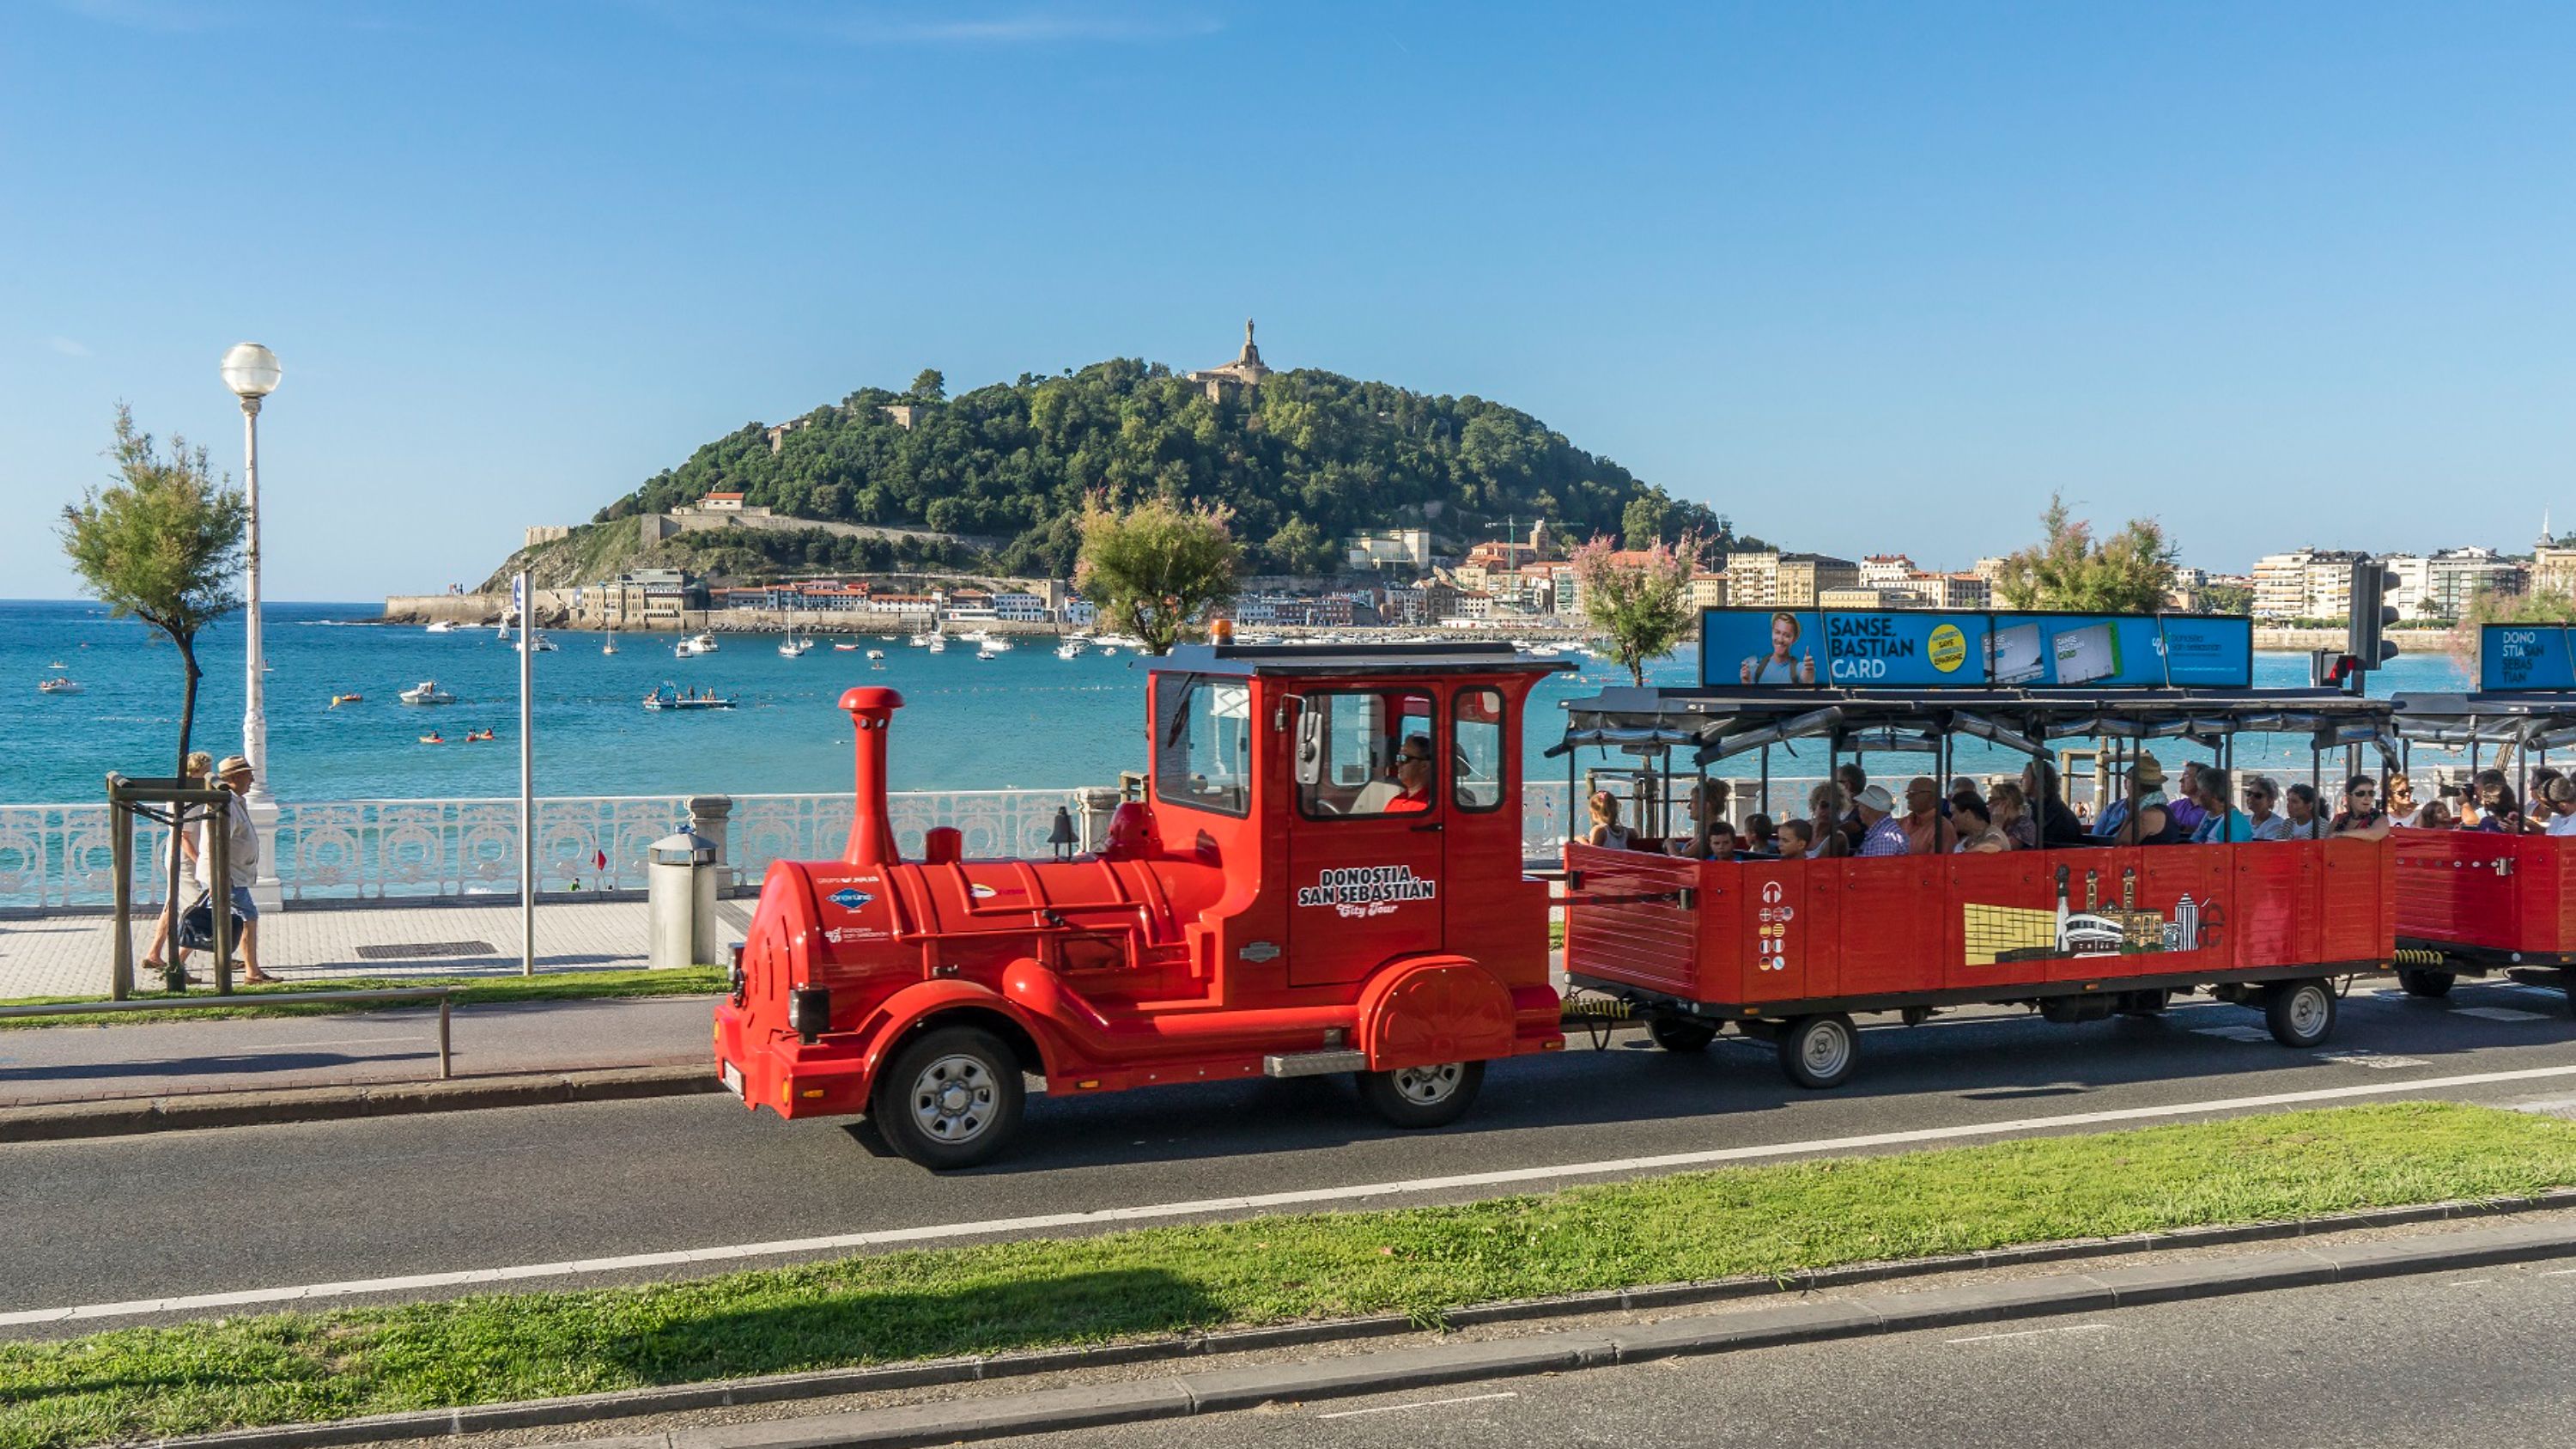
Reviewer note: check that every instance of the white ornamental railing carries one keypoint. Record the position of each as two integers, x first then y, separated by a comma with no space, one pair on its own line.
54,857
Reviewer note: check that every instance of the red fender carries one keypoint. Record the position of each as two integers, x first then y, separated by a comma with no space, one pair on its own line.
1434,1009
900,1012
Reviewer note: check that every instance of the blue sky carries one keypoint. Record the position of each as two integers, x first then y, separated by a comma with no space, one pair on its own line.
1864,277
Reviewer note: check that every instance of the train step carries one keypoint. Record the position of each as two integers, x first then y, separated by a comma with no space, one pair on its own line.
1315,1064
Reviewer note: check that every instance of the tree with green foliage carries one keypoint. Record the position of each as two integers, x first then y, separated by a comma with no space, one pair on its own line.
928,385
1298,547
2540,606
162,543
1639,599
2128,573
1641,523
1156,568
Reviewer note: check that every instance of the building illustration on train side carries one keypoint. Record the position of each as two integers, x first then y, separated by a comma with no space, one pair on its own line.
1996,934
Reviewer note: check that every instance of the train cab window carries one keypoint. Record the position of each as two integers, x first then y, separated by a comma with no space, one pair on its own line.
1203,743
1374,752
1476,746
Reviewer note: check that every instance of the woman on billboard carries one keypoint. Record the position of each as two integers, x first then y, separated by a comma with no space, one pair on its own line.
1778,667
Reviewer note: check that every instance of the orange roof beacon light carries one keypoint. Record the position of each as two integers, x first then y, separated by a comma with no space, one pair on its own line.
1324,875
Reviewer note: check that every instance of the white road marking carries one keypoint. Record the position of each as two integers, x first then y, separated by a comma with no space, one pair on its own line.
1425,1404
1300,1197
2365,1057
2233,1033
2032,1333
2498,1013
2469,1283
2559,1273
280,1046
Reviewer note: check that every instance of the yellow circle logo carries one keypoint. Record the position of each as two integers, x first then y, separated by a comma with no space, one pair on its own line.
1949,648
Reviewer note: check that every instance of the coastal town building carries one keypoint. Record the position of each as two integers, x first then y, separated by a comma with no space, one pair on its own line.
1886,570
1804,576
2455,577
1707,591
1239,378
2553,568
1753,579
1391,548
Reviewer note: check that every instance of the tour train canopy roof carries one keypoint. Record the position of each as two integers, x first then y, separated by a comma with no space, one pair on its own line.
2534,721
1717,723
1340,660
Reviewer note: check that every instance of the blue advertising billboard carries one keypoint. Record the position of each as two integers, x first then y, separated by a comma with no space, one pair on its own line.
2520,657
1953,649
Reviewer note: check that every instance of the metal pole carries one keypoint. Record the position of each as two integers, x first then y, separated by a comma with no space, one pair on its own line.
120,972
254,707
446,1066
219,866
527,787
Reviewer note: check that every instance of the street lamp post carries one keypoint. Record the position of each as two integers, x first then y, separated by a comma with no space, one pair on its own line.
251,371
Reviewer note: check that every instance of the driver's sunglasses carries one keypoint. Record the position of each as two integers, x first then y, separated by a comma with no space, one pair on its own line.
1415,759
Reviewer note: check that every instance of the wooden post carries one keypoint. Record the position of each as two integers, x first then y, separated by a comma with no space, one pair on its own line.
219,867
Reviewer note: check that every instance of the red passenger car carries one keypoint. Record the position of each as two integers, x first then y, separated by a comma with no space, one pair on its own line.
1324,876
2477,901
1789,951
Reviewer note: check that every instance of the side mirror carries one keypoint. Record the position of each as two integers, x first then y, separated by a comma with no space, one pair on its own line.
1310,745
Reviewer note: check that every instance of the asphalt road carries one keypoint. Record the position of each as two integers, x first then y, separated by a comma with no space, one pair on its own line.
112,1220
2443,1360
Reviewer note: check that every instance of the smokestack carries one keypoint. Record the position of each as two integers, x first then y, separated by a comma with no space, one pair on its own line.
871,709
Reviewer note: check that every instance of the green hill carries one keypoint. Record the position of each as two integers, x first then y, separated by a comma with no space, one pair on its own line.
1304,460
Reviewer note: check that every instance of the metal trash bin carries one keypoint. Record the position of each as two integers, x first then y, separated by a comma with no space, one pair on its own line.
680,901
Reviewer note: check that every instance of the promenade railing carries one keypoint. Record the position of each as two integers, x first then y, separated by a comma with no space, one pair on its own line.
59,857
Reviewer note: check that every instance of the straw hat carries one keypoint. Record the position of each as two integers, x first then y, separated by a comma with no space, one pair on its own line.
2147,773
232,765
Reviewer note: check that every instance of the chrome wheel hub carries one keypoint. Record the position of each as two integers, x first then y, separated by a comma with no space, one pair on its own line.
1825,1049
1428,1086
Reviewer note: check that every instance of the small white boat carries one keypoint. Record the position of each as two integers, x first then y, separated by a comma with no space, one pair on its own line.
692,648
427,692
840,648
876,654
986,650
443,626
918,641
60,684
994,642
672,697
938,644
1068,650
541,644
608,645
794,648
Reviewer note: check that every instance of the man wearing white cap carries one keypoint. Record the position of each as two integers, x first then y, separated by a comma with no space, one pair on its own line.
241,842
1881,832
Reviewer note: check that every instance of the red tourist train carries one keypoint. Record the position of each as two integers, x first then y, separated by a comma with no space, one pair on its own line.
1325,875
2470,902
1789,951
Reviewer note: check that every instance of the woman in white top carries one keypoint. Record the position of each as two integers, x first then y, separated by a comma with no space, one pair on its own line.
2304,823
2561,795
1607,832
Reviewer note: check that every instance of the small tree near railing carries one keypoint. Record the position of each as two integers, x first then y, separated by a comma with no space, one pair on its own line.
1639,599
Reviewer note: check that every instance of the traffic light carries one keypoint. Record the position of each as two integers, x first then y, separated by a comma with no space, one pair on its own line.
2333,669
2371,613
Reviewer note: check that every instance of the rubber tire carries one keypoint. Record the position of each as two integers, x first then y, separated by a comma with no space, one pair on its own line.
2277,1006
2424,981
1681,1033
1794,1039
893,1116
1378,1089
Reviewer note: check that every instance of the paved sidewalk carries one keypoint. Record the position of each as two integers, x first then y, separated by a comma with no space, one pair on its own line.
68,955
174,1058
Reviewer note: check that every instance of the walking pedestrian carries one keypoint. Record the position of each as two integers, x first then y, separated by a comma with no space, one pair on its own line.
193,777
241,845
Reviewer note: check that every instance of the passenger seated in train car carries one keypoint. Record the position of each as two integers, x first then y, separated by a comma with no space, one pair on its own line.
2262,793
2151,825
1761,838
1797,838
2010,811
1711,837
2299,805
2055,825
2221,823
1606,830
1962,788
2435,816
1853,779
2561,800
2185,806
2402,809
2145,786
1883,832
1977,832
1927,831
1825,810
2499,812
2536,820
2361,818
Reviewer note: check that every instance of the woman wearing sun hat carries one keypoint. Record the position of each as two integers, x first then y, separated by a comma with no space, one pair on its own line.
241,844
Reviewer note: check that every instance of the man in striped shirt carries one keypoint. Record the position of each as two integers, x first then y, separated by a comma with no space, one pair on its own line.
1881,832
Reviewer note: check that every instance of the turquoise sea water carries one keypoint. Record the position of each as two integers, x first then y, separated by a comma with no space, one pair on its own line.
1026,719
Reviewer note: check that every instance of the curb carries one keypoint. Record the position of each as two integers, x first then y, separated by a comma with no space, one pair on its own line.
64,1121
1059,1409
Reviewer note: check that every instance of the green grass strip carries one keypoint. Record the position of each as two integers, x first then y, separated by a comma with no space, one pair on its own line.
470,991
139,1383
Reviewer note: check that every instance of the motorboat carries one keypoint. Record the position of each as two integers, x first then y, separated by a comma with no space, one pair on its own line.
938,643
995,643
918,641
59,684
876,654
693,647
427,692
794,648
840,648
1068,650
541,644
442,626
673,697
989,649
